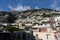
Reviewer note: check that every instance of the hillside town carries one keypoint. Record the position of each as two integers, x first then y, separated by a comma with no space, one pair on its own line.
43,24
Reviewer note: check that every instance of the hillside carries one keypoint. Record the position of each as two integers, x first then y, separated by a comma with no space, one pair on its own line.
12,16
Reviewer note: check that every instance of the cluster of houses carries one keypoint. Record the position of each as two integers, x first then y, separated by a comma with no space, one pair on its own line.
44,24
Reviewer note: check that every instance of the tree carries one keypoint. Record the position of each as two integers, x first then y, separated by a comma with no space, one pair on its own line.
12,29
11,18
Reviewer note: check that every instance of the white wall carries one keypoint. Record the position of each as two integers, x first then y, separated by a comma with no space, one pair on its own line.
43,35
57,18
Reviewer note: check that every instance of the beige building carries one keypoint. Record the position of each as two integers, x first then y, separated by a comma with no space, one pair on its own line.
43,32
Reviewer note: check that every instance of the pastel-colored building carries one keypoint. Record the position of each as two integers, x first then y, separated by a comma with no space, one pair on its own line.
43,32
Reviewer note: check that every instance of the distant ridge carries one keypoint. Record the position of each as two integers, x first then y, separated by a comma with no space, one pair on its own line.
32,10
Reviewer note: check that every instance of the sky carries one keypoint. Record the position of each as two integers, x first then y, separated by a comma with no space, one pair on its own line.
22,5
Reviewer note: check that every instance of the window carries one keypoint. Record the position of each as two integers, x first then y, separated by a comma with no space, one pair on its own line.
48,36
36,35
58,23
41,24
59,28
39,30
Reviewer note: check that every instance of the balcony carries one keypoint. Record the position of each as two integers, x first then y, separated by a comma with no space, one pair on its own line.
43,25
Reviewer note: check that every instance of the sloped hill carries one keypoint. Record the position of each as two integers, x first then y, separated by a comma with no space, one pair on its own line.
12,16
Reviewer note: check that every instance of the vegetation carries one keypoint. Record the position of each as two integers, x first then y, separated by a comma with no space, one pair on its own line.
56,14
46,22
11,18
26,29
12,29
